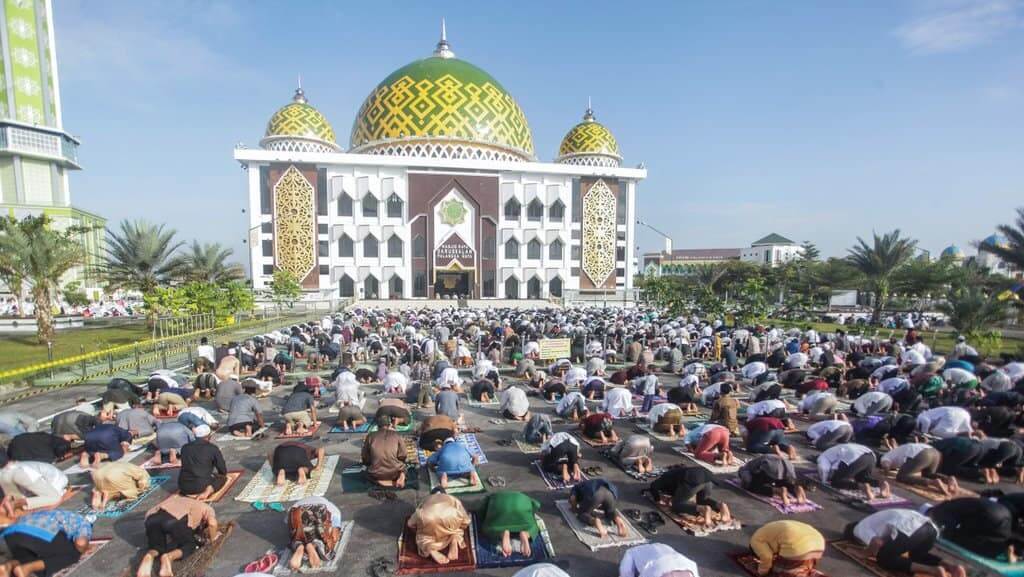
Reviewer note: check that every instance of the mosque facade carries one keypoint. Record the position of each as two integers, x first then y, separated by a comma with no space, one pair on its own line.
984,258
440,193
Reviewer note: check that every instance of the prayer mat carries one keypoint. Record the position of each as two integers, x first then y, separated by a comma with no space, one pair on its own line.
77,469
527,448
262,488
364,428
233,477
589,537
555,401
467,439
554,482
693,525
877,503
593,442
748,562
927,492
646,428
162,416
309,433
329,566
401,428
149,465
472,403
410,562
792,509
632,472
354,480
456,485
137,444
257,434
95,545
489,555
859,555
197,563
501,421
115,509
69,494
638,401
716,469
1000,567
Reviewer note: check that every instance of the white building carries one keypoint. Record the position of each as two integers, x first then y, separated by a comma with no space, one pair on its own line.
772,250
439,193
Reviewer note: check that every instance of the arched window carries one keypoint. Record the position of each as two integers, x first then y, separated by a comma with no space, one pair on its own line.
512,249
395,287
533,249
346,248
395,206
346,287
555,287
513,209
370,203
533,288
512,288
419,247
490,248
535,210
344,205
556,212
370,248
555,249
419,285
394,247
371,288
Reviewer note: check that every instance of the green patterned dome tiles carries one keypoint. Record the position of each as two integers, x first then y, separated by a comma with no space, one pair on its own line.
442,97
300,120
589,137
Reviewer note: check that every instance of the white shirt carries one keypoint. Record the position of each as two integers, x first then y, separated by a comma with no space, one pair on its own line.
201,413
557,439
349,393
869,398
658,410
944,422
575,376
815,431
808,401
893,385
846,453
618,402
395,382
763,408
514,401
569,400
654,560
753,370
541,570
958,376
449,378
207,352
888,523
531,348
895,458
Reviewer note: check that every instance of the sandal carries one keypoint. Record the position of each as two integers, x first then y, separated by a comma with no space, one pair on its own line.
496,481
633,515
264,564
259,505
505,443
381,567
276,507
648,527
654,519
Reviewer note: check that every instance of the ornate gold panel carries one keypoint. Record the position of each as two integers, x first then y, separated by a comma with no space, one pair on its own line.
294,224
599,233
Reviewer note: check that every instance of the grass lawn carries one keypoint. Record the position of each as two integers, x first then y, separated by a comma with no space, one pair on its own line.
20,350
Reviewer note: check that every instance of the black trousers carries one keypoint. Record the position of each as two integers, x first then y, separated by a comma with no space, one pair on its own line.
833,438
899,553
164,534
847,476
565,453
55,555
602,500
764,485
686,498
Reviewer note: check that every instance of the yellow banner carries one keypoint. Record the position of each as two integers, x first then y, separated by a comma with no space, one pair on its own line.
554,348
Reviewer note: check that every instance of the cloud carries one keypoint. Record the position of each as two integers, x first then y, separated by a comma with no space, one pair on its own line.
960,26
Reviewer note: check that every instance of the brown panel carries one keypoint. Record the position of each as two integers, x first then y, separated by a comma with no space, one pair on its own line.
585,282
312,280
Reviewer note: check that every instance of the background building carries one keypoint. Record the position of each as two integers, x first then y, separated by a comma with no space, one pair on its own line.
36,154
439,194
772,250
983,258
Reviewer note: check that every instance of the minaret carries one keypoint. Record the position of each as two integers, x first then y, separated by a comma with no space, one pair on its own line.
443,50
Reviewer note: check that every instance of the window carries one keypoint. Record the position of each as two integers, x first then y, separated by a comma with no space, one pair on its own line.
346,248
555,287
490,248
535,210
267,227
557,212
346,287
575,253
533,249
555,249
323,249
321,192
419,285
575,271
325,270
344,205
419,247
395,287
371,288
268,248
577,201
620,253
620,204
767,256
489,284
268,269
266,198
394,247
533,288
512,288
575,235
321,228
513,209
512,249
370,246
395,206
370,206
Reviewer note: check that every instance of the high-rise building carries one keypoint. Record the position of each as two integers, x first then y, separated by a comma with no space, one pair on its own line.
36,154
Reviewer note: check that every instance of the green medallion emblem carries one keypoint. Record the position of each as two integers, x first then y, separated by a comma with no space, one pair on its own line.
453,212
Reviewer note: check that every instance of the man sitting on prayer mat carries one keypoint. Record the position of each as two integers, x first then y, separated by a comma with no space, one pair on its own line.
117,481
509,513
440,524
687,491
454,460
588,496
294,459
384,455
787,547
901,541
656,560
172,531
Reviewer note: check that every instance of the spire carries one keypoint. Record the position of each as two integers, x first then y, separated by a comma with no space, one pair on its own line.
300,96
588,116
443,50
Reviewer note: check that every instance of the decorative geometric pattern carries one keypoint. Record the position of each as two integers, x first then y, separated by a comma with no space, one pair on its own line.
293,144
590,160
438,99
453,212
589,137
301,120
294,224
599,233
443,150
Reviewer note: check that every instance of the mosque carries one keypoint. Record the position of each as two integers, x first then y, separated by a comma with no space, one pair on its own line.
983,258
440,193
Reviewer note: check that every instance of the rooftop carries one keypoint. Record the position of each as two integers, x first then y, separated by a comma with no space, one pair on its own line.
772,238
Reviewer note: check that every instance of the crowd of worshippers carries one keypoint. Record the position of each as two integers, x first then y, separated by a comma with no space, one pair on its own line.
936,419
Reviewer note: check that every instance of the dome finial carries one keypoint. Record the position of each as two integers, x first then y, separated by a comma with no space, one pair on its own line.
443,50
300,96
588,116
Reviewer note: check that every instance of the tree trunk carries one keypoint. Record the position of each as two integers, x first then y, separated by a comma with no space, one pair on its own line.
44,314
881,296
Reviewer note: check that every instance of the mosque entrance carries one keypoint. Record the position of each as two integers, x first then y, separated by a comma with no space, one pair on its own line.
453,283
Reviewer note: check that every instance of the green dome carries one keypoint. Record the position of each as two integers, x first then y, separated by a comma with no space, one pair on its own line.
590,143
298,122
442,101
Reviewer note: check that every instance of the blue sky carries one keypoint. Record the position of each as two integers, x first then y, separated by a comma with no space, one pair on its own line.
821,121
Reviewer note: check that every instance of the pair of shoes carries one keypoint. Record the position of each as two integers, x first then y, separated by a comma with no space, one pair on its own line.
652,529
261,506
264,564
505,442
382,567
496,481
654,519
594,471
633,515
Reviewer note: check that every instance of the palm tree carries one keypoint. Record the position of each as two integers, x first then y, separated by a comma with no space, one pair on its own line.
42,255
10,271
206,263
1013,252
140,256
971,309
878,261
